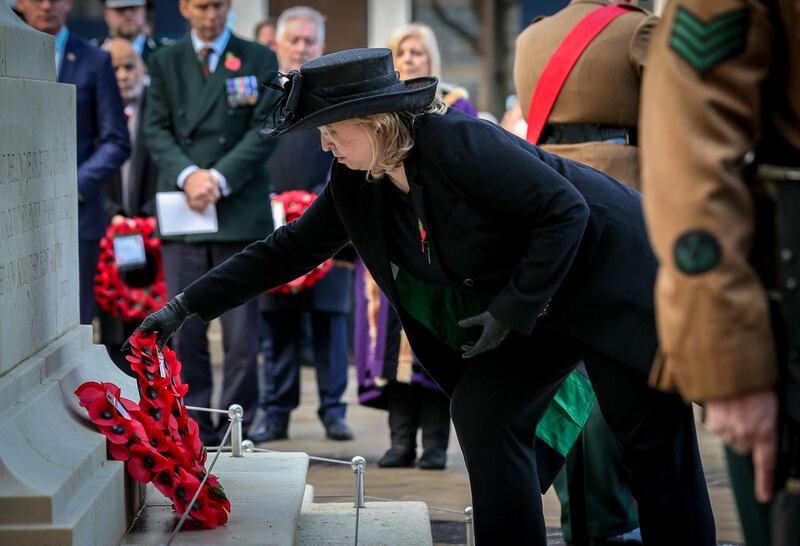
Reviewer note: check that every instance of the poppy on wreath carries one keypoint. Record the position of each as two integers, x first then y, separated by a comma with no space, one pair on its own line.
156,438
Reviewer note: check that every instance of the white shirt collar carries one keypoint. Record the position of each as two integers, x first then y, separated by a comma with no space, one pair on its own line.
218,45
138,43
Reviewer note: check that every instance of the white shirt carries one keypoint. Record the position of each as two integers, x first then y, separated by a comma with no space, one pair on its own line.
218,47
61,44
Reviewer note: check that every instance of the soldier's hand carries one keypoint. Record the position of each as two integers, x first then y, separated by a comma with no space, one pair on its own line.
494,332
749,424
165,322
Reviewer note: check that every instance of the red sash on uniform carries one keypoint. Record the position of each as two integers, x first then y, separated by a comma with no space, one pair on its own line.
561,63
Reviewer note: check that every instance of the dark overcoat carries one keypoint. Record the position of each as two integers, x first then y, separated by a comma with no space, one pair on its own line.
545,242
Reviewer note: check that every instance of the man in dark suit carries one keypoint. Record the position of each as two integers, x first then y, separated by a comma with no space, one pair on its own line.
127,19
201,123
103,143
300,164
132,189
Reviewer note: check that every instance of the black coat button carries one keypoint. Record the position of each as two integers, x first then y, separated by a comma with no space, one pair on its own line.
469,283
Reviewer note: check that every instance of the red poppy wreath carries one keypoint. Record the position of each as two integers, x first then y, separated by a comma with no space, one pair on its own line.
156,437
288,207
130,294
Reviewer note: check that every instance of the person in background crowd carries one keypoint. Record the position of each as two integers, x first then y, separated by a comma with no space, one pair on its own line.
512,120
595,117
265,32
395,381
128,19
593,120
204,107
416,54
299,163
556,269
102,138
131,191
721,155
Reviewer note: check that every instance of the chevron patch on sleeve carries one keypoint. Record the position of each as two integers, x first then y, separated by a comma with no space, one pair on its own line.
706,44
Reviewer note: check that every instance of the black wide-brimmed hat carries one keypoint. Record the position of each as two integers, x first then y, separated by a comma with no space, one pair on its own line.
344,85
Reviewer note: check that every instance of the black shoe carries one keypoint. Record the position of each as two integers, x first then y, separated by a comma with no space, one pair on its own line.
433,458
267,432
397,458
337,429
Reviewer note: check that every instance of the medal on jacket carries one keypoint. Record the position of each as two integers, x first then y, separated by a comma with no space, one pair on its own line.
423,236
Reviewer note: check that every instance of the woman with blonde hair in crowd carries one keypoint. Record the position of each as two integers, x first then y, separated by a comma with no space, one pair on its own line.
389,376
416,54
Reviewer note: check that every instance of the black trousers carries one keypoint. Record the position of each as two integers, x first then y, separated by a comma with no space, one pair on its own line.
280,393
501,395
184,263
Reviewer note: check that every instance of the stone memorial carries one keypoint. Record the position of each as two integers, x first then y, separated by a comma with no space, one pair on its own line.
56,485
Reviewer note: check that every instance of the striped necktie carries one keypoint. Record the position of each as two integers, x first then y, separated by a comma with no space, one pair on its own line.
204,56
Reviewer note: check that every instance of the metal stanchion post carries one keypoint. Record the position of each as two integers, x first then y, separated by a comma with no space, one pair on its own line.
359,464
468,525
235,415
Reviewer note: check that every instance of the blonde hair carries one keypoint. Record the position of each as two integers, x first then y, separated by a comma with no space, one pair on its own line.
427,38
391,136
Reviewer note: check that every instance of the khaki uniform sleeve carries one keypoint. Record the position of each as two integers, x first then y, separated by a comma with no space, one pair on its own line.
700,117
640,44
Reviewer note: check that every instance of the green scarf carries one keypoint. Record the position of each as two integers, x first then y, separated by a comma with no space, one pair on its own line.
439,307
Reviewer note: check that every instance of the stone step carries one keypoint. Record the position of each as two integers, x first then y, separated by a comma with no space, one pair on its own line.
56,484
95,515
265,489
379,523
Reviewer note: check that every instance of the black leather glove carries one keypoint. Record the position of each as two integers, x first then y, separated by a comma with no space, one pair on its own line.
166,321
494,332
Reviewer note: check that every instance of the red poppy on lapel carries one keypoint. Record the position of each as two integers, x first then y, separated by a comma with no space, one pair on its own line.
232,62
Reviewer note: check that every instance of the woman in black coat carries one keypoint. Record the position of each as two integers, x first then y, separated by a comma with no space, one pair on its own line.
507,265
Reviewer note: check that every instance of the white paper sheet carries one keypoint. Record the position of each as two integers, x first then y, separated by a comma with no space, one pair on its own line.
176,217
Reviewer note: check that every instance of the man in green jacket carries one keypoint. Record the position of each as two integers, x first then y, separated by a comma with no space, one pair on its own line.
203,114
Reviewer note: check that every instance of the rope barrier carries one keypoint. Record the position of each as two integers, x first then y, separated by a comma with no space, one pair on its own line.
384,499
310,457
207,410
237,446
199,489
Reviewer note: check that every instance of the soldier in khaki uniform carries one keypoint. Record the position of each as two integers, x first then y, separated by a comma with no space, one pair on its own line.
593,121
600,98
721,96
